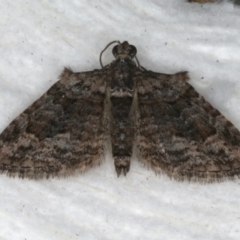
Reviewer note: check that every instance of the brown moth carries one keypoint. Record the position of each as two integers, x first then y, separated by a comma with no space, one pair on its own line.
171,127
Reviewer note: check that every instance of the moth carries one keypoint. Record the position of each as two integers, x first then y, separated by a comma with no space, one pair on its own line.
159,117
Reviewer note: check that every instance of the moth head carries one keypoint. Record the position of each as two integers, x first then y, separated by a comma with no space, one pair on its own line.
124,50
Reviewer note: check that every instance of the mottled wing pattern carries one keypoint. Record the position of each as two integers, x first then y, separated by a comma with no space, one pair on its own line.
61,133
180,133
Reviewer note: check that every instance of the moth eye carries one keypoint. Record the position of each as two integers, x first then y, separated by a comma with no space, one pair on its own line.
133,51
115,51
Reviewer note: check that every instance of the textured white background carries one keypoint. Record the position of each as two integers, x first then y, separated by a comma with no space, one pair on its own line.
39,38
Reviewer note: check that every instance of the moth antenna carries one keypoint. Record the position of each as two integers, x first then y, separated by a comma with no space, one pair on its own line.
100,57
137,62
139,66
